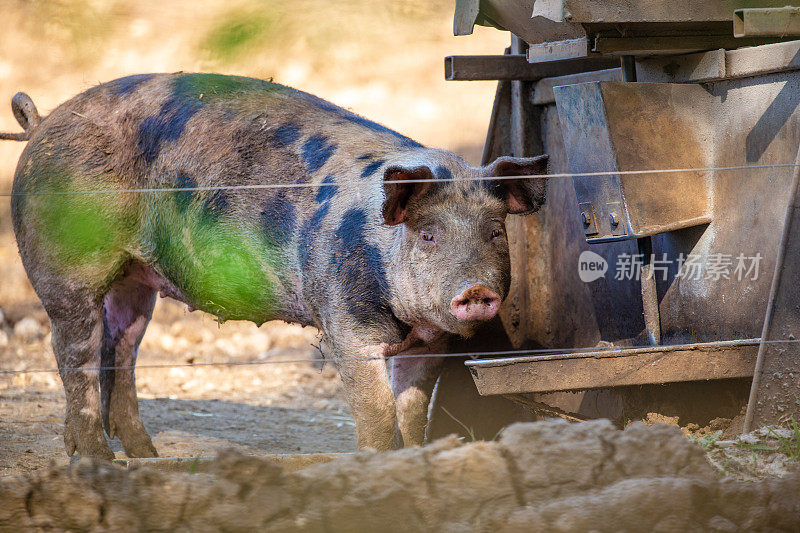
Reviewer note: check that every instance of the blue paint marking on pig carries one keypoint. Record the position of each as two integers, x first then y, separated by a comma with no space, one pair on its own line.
327,189
285,135
372,167
129,84
216,201
184,198
360,265
278,219
308,232
316,152
175,113
443,173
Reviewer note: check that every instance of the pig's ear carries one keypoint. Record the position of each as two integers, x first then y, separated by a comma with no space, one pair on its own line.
522,195
401,186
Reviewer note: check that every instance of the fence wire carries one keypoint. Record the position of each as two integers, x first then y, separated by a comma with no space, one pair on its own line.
365,183
464,355
597,351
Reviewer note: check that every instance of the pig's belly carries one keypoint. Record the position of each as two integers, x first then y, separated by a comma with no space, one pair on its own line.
215,264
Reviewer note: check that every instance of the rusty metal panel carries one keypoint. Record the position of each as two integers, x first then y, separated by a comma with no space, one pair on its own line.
750,121
681,43
718,65
775,21
587,141
612,126
559,50
706,66
516,67
654,11
614,368
543,92
521,18
755,121
548,304
775,392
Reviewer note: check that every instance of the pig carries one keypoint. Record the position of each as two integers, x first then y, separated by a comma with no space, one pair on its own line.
175,184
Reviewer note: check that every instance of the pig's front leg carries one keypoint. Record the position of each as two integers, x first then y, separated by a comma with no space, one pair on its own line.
413,379
366,386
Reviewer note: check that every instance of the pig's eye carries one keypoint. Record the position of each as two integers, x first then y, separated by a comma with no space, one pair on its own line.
496,233
426,236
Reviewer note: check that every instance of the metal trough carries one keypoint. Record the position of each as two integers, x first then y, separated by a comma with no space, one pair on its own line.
615,367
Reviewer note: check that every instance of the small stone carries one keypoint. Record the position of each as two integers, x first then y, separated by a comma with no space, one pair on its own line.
28,329
3,338
749,439
2,318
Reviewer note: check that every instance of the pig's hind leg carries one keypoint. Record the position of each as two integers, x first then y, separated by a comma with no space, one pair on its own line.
127,309
76,317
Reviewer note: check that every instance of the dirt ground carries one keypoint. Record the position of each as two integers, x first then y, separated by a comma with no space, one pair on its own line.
545,476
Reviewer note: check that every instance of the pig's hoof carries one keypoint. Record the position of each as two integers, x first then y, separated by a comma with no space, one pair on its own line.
83,434
136,441
140,449
97,452
76,457
95,449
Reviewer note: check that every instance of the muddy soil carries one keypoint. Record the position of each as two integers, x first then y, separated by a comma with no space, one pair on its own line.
545,476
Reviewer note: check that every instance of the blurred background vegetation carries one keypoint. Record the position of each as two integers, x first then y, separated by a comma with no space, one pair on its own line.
380,58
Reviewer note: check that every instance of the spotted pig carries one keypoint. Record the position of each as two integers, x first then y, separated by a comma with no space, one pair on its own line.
174,183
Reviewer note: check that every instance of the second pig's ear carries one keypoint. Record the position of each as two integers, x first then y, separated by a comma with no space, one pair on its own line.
521,195
402,186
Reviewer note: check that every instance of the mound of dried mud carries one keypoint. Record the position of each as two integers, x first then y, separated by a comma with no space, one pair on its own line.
545,476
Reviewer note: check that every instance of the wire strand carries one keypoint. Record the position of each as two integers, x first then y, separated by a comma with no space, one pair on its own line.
427,180
472,355
462,355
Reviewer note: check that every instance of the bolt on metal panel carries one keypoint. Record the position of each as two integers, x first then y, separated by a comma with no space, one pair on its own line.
610,126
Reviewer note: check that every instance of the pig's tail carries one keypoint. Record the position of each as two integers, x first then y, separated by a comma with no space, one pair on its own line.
26,114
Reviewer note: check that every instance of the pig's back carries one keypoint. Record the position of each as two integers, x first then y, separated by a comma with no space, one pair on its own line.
233,252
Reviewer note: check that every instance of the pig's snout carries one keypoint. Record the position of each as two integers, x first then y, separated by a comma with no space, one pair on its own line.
476,303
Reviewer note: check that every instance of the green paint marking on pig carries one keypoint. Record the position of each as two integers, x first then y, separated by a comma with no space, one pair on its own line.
217,86
84,231
221,264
